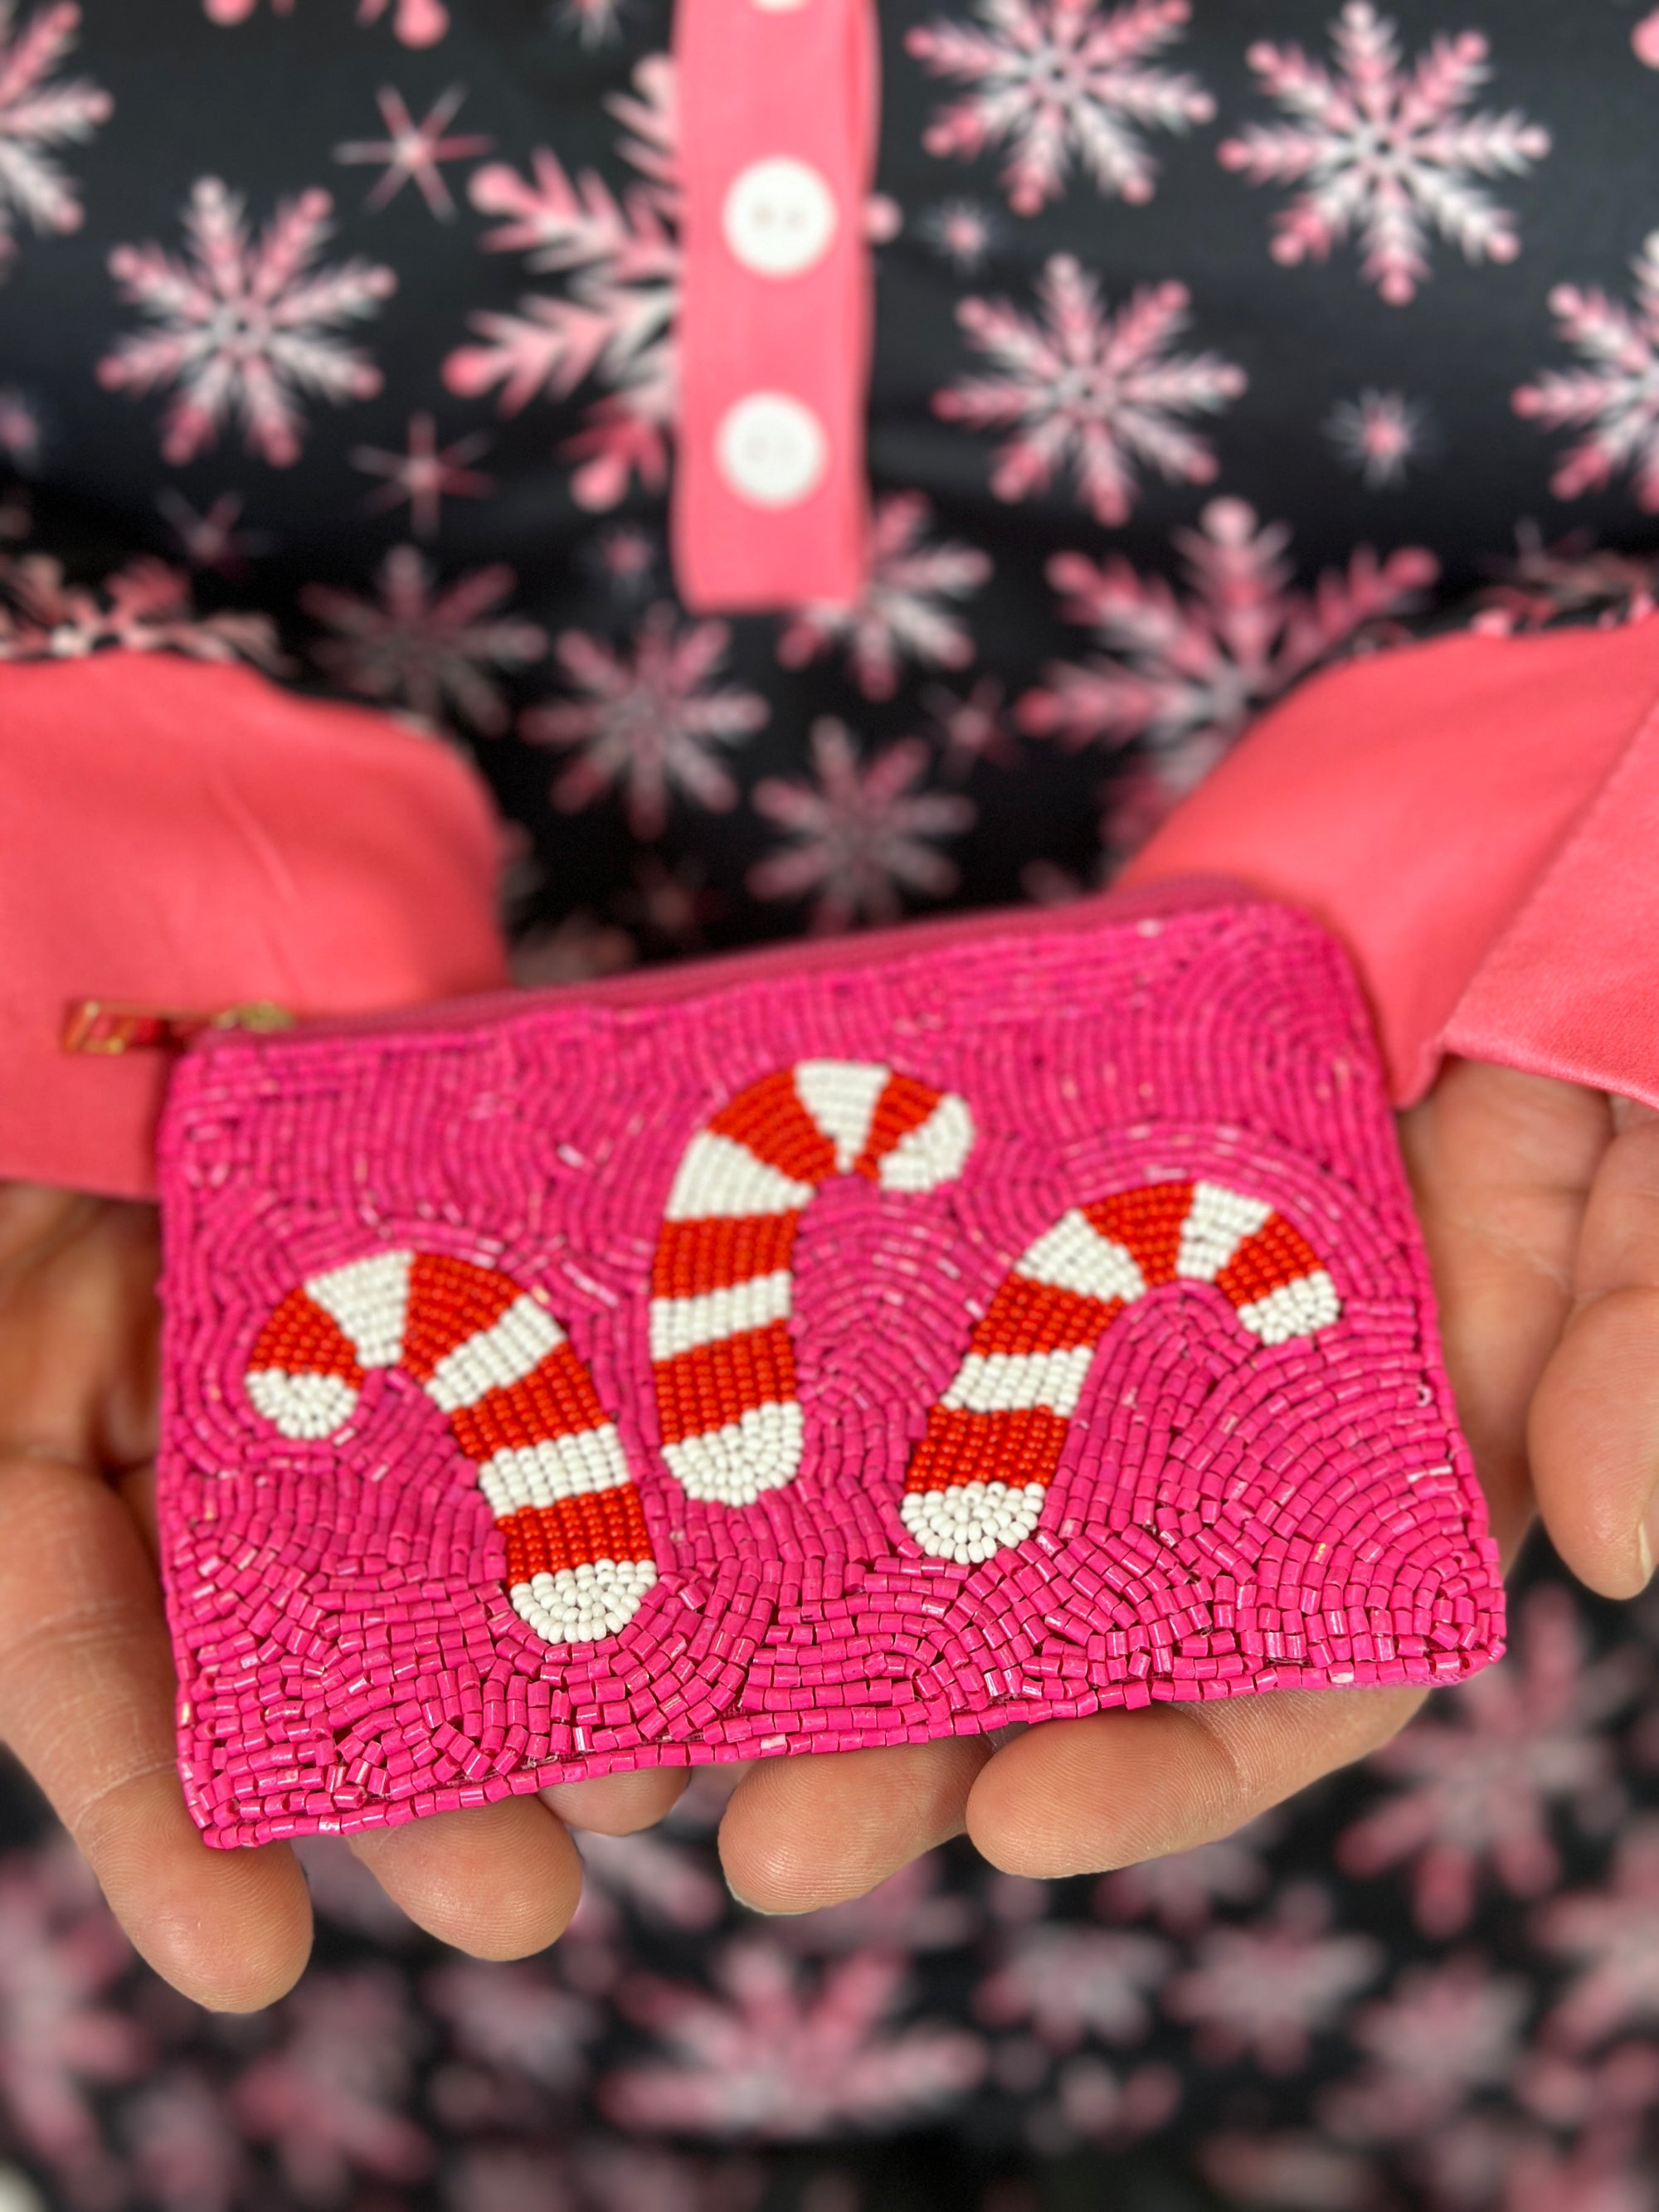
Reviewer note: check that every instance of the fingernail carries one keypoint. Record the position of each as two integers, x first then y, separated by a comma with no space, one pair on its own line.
1647,1534
738,1898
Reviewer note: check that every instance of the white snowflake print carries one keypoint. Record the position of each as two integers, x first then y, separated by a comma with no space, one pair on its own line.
1080,387
1070,1983
1480,1775
425,475
1185,674
245,327
428,651
652,719
1614,399
1613,1932
1384,153
414,22
1059,81
415,153
37,115
144,607
962,232
1266,1989
769,2059
595,22
861,835
615,323
905,610
1379,435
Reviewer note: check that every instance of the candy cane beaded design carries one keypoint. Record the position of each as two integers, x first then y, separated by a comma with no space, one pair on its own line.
722,1287
978,1478
520,1403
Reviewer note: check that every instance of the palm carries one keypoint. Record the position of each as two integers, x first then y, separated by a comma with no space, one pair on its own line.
86,1676
1527,1200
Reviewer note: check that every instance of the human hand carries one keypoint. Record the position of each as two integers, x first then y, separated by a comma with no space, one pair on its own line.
1539,1203
86,1686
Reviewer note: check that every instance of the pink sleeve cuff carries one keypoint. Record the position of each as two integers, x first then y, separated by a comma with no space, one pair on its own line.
189,837
1478,820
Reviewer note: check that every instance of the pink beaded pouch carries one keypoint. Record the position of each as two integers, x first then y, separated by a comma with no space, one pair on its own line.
821,1348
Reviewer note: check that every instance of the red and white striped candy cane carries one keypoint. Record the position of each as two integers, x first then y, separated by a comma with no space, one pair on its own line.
723,1285
521,1405
979,1476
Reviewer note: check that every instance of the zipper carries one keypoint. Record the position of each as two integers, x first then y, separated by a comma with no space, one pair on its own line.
106,1028
682,980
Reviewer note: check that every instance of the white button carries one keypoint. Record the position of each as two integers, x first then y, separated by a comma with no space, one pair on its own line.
770,449
779,7
779,217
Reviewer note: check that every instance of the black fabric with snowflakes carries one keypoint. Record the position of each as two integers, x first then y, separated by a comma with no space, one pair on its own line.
1280,327
335,335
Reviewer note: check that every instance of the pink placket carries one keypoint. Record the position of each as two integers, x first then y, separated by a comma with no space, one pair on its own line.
778,104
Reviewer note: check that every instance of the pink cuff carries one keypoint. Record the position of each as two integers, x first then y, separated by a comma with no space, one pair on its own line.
189,837
1476,819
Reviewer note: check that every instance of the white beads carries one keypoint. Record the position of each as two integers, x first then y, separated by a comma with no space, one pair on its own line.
972,1521
583,1605
1295,1309
732,1465
1218,1222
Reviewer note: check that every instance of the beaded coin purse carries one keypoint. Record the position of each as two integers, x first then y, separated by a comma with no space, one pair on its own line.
835,1346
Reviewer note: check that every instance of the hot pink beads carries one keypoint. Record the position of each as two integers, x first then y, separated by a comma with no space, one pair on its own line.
987,1323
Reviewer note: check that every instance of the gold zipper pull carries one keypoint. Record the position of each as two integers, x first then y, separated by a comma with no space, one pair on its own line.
105,1028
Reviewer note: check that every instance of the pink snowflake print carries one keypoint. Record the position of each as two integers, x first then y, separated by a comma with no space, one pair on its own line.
21,438
1541,583
1181,1891
1444,2032
414,152
244,327
346,1895
1480,1775
427,650
770,2059
971,726
211,543
1286,2170
861,835
1070,1983
1614,399
666,1883
60,2036
144,607
906,610
1185,670
1644,41
426,475
326,2098
1264,1990
186,2155
1103,2106
651,720
674,905
37,115
962,233
1614,1934
1378,435
615,323
1384,152
414,22
580,948
595,22
1080,387
515,2020
1059,81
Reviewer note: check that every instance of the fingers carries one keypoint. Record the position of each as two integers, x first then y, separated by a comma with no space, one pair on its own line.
799,1833
1502,1166
1082,1796
617,1804
1594,1426
87,1702
501,1880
